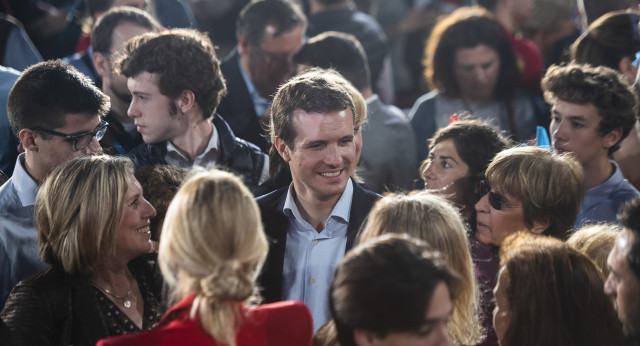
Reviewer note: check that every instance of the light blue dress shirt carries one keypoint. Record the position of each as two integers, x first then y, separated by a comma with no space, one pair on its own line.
310,257
260,104
18,234
602,203
8,140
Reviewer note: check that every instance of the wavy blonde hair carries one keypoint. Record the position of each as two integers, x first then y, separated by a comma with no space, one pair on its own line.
596,241
432,218
213,245
78,210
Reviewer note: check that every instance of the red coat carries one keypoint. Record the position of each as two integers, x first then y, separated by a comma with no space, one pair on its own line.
282,323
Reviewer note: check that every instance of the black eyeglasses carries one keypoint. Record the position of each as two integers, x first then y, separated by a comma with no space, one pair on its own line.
81,140
496,200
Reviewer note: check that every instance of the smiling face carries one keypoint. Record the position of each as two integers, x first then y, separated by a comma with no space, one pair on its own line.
133,237
492,225
574,128
323,155
623,285
476,71
151,110
434,332
445,170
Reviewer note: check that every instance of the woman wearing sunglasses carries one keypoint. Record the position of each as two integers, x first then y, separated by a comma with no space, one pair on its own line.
526,189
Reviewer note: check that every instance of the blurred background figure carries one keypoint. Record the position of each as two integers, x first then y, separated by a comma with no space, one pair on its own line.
160,184
472,69
394,290
93,231
211,252
548,293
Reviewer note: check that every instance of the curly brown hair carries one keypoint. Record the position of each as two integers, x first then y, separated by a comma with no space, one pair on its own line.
603,87
184,59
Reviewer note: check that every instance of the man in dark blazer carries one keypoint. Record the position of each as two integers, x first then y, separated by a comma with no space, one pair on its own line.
313,221
268,33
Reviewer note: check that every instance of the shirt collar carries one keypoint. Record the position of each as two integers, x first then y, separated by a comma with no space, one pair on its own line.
341,210
212,145
259,103
25,186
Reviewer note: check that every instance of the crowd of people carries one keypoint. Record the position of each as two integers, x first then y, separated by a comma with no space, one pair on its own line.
156,193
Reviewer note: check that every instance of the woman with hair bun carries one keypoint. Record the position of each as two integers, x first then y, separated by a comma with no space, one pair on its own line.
211,252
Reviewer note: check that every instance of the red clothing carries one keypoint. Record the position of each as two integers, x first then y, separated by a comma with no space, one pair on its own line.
281,323
529,63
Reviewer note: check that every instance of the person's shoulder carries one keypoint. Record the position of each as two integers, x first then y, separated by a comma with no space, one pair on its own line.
271,198
424,106
287,323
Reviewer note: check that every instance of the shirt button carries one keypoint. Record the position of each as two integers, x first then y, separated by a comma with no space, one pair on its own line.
312,281
315,241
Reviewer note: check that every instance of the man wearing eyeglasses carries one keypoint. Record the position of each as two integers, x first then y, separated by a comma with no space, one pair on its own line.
268,33
593,110
56,113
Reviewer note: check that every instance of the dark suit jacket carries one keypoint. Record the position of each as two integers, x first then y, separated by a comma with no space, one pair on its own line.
276,225
237,106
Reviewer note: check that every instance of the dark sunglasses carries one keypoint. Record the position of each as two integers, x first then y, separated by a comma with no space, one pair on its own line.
496,200
81,140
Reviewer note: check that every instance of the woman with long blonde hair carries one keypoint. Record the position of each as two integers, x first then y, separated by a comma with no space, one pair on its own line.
211,252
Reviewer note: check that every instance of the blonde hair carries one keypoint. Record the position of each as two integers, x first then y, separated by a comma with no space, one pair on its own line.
78,210
596,241
213,245
433,219
550,185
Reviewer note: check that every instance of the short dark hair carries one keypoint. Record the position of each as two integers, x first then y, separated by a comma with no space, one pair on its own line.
257,15
603,87
630,219
160,183
310,92
184,59
101,35
339,51
46,92
385,285
468,27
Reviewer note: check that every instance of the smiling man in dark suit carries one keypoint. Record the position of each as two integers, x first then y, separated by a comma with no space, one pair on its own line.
313,221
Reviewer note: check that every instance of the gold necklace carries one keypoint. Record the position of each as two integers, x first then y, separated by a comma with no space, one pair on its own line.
125,302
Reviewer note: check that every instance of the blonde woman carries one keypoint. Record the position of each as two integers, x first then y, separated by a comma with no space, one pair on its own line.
211,251
596,241
93,230
431,218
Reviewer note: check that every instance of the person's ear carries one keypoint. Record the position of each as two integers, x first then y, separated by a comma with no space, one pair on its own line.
363,337
101,63
611,138
28,139
541,225
243,45
186,101
283,149
625,66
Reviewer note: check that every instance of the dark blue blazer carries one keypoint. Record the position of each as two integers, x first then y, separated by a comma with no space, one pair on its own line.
237,106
